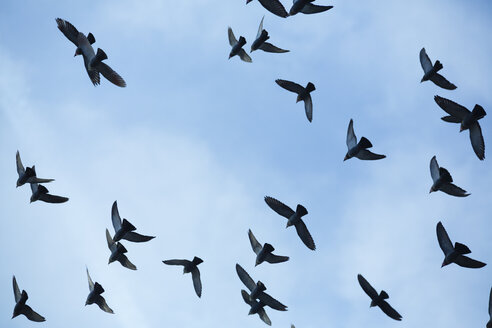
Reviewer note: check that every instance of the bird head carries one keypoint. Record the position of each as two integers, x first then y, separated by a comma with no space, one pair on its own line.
346,157
78,51
32,199
432,189
298,98
248,1
462,127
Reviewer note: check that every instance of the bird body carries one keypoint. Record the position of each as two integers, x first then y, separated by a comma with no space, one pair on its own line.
260,41
27,175
94,297
190,267
118,253
20,304
124,229
359,149
378,300
264,253
303,94
442,181
237,47
256,307
430,72
39,192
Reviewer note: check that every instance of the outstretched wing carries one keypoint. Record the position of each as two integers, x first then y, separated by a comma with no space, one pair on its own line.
451,107
425,61
111,75
244,56
136,237
271,302
309,8
31,314
268,47
308,107
477,142
434,169
264,317
367,155
89,279
304,234
390,312
466,262
48,198
279,207
275,7
68,30
17,293
366,286
101,302
260,28
272,258
441,81
291,86
111,243
351,137
254,243
123,259
197,283
232,38
115,217
453,190
443,239
20,168
176,262
245,277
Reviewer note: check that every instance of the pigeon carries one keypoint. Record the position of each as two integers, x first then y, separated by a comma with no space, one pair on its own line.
27,175
124,230
273,6
256,307
39,192
489,324
260,42
302,94
21,307
94,296
264,253
92,61
378,300
306,7
294,218
468,121
359,150
442,181
190,266
118,253
455,254
258,290
237,47
430,72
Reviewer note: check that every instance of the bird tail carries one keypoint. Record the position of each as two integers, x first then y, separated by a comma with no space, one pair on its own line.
461,248
438,66
384,295
100,56
478,112
98,288
91,38
301,210
269,248
310,87
127,225
242,41
364,143
451,119
197,260
264,35
31,171
445,175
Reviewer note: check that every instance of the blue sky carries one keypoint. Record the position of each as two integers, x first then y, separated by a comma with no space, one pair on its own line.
193,144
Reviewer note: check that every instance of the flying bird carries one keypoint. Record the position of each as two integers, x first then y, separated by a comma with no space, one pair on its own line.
118,253
489,324
303,94
306,7
39,192
273,6
92,61
467,120
264,253
258,290
430,72
442,181
256,307
260,42
190,266
378,300
27,175
124,229
21,307
455,254
359,150
237,47
94,296
294,219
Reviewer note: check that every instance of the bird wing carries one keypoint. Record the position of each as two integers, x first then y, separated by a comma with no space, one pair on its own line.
20,168
441,81
246,298
111,243
31,314
244,56
434,169
390,312
271,302
351,137
443,239
425,61
111,75
93,73
490,303
453,190
279,207
268,47
232,38
197,283
245,277
264,317
308,107
451,107
34,187
477,142
136,237
304,234
115,217
366,286
272,258
123,259
254,243
17,293
275,7
291,86
367,155
466,262
101,302
309,8
260,28
176,262
89,279
68,30
48,198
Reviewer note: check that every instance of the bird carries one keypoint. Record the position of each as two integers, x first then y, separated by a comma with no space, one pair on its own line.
190,266
258,290
489,324
260,41
256,307
303,94
39,192
442,181
455,254
378,300
92,61
118,253
273,6
306,7
124,229
467,120
237,47
264,253
27,175
430,72
359,150
294,218
21,307
94,296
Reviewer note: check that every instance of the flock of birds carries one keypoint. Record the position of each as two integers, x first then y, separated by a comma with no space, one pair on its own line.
257,298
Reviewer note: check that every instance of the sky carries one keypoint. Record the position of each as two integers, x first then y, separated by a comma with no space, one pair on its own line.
195,141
